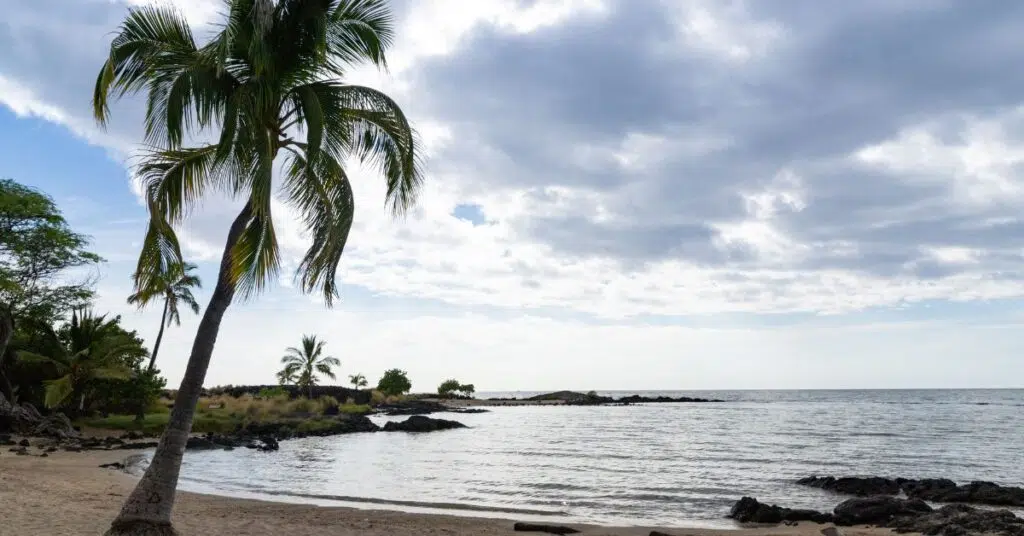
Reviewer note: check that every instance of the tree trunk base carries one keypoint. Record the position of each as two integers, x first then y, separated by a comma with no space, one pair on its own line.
140,527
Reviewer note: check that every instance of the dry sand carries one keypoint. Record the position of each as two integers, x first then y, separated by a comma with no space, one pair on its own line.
67,494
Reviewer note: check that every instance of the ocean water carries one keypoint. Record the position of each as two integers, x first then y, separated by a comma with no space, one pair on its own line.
647,465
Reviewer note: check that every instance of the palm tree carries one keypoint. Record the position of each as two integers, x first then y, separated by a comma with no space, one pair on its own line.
268,76
288,376
305,363
174,284
358,381
90,348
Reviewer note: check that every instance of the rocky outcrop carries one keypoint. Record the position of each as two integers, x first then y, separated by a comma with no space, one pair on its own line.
959,520
877,510
422,407
750,510
573,398
419,423
637,399
929,489
901,515
859,486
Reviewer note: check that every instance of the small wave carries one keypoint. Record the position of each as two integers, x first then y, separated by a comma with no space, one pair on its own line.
414,504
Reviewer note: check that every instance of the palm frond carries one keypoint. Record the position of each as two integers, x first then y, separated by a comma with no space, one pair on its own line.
325,369
359,31
150,38
57,391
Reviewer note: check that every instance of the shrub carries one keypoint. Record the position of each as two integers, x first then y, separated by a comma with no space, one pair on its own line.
272,392
302,405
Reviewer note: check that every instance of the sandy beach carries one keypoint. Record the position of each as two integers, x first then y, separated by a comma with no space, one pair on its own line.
68,494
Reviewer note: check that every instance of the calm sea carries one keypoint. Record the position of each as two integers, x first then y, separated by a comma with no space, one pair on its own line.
659,464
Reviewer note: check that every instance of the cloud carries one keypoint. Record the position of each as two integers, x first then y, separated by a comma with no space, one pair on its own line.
657,157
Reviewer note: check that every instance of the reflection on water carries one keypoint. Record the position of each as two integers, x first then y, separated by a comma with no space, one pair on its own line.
663,464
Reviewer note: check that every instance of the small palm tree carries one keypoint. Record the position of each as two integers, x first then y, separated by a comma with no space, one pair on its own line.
267,84
174,285
289,375
304,364
358,381
90,348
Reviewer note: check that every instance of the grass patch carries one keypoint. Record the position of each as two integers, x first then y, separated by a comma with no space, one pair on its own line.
225,414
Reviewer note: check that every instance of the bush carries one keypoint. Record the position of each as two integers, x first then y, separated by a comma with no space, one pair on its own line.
302,405
272,392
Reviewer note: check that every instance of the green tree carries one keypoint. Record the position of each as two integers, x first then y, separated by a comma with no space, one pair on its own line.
453,387
394,382
91,348
288,376
270,75
305,363
358,381
174,286
37,249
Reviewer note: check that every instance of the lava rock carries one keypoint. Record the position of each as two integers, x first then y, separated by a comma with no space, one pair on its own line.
750,510
419,423
960,519
859,486
538,527
877,510
24,443
269,444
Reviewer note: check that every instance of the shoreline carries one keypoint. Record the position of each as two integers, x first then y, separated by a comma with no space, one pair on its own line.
33,488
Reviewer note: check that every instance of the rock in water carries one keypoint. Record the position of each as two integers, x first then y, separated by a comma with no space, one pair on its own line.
419,423
859,486
954,519
877,510
750,510
537,527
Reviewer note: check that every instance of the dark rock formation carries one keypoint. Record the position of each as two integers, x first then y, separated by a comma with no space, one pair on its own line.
538,527
24,443
750,510
959,520
859,486
419,423
929,489
877,510
422,407
637,399
573,398
977,492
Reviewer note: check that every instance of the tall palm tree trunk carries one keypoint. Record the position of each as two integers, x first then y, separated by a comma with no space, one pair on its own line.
140,412
148,509
159,335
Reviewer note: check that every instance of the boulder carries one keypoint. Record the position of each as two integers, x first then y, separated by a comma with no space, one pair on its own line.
877,510
750,510
269,444
24,443
859,486
419,423
57,426
539,527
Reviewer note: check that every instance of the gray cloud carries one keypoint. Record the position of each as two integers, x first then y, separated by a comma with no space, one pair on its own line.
838,78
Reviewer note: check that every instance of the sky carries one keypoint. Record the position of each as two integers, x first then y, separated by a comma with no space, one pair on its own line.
641,194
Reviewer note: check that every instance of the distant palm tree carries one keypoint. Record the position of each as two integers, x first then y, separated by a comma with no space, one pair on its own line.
174,284
268,84
90,348
288,376
305,363
358,381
